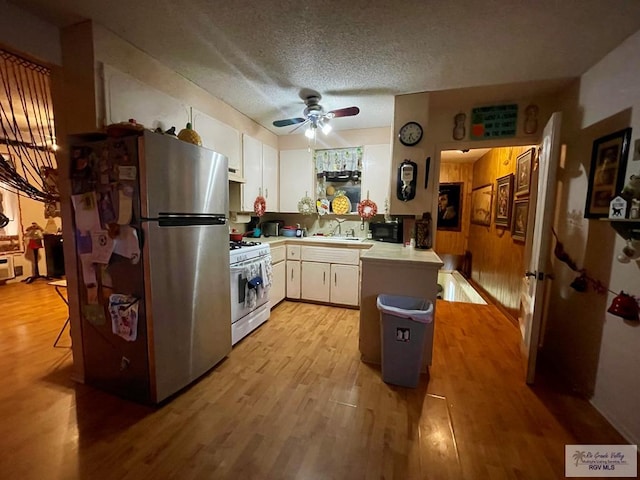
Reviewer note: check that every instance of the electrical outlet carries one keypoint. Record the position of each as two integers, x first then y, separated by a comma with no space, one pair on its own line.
17,270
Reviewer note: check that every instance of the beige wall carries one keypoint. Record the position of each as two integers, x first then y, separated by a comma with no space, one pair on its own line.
597,352
337,139
436,112
114,51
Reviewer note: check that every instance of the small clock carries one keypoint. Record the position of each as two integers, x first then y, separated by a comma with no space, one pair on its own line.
410,134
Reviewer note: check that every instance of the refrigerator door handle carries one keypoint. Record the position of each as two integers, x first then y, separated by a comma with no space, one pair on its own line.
187,220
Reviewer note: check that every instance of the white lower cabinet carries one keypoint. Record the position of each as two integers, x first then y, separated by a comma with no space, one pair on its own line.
293,279
316,281
330,275
345,284
278,276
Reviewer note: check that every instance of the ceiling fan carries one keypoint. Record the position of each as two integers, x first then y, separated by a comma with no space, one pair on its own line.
314,115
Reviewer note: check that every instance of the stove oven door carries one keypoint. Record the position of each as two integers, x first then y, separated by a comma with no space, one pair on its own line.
249,287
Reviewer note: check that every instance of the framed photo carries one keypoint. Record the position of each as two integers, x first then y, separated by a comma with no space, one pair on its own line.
504,197
520,217
481,199
523,172
606,176
450,206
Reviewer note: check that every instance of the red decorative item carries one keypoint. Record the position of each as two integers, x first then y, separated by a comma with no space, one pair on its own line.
367,209
625,306
259,206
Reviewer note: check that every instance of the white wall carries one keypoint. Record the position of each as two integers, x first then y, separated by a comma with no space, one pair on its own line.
596,351
24,33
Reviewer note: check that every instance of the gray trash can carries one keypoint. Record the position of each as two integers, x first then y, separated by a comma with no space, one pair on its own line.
403,322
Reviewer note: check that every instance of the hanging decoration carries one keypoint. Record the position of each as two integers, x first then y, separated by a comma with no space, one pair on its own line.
623,305
306,205
259,206
27,134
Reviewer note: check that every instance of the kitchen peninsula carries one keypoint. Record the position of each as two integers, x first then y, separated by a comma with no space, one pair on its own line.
395,270
388,268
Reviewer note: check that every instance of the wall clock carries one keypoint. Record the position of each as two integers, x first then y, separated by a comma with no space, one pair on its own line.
410,134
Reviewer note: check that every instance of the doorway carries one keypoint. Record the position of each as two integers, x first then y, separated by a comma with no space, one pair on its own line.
482,246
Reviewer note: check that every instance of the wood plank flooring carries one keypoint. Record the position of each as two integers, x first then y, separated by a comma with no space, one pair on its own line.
292,401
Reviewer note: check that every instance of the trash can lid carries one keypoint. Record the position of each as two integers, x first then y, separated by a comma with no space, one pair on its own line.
417,309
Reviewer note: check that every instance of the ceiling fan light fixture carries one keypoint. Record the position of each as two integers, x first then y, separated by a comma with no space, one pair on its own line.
325,126
310,132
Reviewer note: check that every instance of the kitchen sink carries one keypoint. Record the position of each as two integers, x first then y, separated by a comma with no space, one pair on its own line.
335,239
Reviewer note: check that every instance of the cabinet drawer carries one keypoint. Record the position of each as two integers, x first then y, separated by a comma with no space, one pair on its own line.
347,256
293,252
278,254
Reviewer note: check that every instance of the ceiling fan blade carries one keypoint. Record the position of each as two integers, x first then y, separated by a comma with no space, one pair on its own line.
288,121
302,124
345,112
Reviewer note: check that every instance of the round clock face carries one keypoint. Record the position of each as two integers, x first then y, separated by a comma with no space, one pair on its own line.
410,133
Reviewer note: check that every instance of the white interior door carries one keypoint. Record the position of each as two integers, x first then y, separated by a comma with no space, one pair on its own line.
538,243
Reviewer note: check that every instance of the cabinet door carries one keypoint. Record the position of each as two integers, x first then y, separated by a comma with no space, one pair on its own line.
278,285
220,137
315,281
252,171
293,279
345,284
296,178
270,177
376,172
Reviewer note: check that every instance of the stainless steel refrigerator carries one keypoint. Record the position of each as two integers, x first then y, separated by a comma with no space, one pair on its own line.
171,260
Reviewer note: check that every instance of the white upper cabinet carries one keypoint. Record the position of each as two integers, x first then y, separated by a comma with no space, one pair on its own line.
270,177
376,173
252,171
296,178
260,170
219,137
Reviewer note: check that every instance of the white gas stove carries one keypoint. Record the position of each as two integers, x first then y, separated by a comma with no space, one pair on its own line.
250,264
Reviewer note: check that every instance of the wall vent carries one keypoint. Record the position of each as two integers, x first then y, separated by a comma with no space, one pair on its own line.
6,268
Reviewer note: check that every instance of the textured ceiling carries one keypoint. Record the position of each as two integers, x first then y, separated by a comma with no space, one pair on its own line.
258,55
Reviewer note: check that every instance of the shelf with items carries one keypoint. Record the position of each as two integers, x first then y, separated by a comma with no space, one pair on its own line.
627,228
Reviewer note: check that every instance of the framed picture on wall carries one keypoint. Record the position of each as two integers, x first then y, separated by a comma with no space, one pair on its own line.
481,199
450,206
523,172
520,217
606,176
504,197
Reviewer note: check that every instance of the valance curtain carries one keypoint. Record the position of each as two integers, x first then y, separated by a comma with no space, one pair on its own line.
27,134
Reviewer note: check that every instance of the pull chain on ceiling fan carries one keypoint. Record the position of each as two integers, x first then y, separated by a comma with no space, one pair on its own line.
315,117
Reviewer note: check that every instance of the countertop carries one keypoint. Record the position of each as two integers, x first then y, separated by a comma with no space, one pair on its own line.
375,251
398,253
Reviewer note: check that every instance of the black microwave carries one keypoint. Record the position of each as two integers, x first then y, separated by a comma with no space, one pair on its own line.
386,232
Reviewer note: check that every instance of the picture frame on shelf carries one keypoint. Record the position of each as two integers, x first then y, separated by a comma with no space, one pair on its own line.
606,176
481,200
504,199
450,206
520,219
523,172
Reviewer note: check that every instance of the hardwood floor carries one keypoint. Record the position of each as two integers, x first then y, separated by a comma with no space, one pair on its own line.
292,401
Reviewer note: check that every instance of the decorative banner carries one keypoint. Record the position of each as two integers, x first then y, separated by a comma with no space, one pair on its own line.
497,121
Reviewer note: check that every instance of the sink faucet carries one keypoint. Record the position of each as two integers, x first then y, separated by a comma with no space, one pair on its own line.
338,230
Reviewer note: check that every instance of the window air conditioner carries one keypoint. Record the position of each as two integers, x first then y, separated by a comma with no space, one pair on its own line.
6,268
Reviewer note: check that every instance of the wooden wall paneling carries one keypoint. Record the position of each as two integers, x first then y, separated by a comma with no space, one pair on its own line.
449,242
497,260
